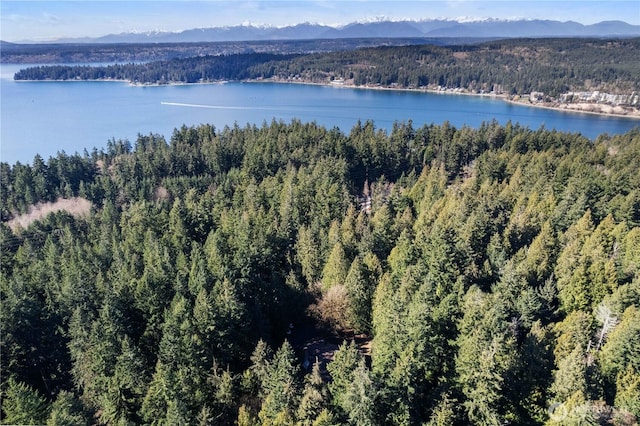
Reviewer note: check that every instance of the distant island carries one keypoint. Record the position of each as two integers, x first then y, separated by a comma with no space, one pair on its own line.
589,75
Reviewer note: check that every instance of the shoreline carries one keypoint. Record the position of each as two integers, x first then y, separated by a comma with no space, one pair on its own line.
127,82
635,115
582,108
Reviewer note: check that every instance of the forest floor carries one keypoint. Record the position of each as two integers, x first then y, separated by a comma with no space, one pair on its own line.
312,342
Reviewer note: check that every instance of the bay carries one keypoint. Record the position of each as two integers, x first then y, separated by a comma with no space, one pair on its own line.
47,117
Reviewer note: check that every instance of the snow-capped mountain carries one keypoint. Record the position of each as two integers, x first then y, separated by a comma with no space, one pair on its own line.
380,27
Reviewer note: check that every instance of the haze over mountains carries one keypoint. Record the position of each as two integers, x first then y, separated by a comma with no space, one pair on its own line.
488,28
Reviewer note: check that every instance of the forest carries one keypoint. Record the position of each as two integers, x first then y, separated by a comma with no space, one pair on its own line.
516,66
493,275
70,53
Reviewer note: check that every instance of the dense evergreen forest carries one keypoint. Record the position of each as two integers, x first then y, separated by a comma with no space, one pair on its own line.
551,66
69,53
496,272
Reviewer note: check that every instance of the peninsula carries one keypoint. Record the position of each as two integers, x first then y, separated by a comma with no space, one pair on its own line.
588,75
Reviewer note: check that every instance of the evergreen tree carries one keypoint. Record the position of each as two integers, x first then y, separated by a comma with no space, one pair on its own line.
360,291
484,359
178,371
621,350
571,376
628,391
281,388
570,270
498,286
444,413
67,410
342,369
315,397
126,388
21,405
360,397
336,269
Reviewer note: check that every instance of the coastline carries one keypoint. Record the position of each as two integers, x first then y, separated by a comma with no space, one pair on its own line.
634,115
111,80
581,108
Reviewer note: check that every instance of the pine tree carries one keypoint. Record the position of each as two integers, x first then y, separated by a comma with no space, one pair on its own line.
336,269
628,391
308,255
126,388
281,387
360,291
571,270
22,405
529,393
178,227
261,360
383,232
485,356
621,349
541,254
388,327
199,277
245,417
224,390
444,413
359,398
345,361
178,370
67,410
315,397
574,330
570,376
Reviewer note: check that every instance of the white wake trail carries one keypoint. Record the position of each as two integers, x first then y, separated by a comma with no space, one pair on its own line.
213,106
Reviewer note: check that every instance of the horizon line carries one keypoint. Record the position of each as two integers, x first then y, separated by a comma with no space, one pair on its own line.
373,20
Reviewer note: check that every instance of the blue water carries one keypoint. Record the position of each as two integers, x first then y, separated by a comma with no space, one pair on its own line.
47,117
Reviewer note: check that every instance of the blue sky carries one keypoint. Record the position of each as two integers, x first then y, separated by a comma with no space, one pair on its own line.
51,19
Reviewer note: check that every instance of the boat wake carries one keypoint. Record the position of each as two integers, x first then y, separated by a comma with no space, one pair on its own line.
180,104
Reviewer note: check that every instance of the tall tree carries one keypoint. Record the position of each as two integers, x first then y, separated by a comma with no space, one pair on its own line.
342,369
315,397
281,388
484,359
21,405
360,398
336,269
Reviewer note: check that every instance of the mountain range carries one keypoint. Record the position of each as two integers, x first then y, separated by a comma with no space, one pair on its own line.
488,28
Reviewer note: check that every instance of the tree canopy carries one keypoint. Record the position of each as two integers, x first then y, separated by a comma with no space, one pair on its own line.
492,272
518,66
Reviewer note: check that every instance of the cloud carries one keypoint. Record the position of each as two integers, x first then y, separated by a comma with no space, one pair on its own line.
52,19
46,19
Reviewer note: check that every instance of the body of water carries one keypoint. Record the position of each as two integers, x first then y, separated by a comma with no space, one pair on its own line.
47,117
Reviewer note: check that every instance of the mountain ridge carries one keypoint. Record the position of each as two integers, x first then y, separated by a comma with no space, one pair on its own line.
377,28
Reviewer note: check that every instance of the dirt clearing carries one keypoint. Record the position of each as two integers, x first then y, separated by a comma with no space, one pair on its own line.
76,207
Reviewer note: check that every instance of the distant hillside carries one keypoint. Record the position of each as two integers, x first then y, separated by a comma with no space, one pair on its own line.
514,67
388,29
74,53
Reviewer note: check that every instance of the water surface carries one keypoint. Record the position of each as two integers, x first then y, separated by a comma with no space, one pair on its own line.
47,117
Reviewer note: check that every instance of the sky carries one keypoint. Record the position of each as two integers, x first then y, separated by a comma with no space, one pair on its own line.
30,20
